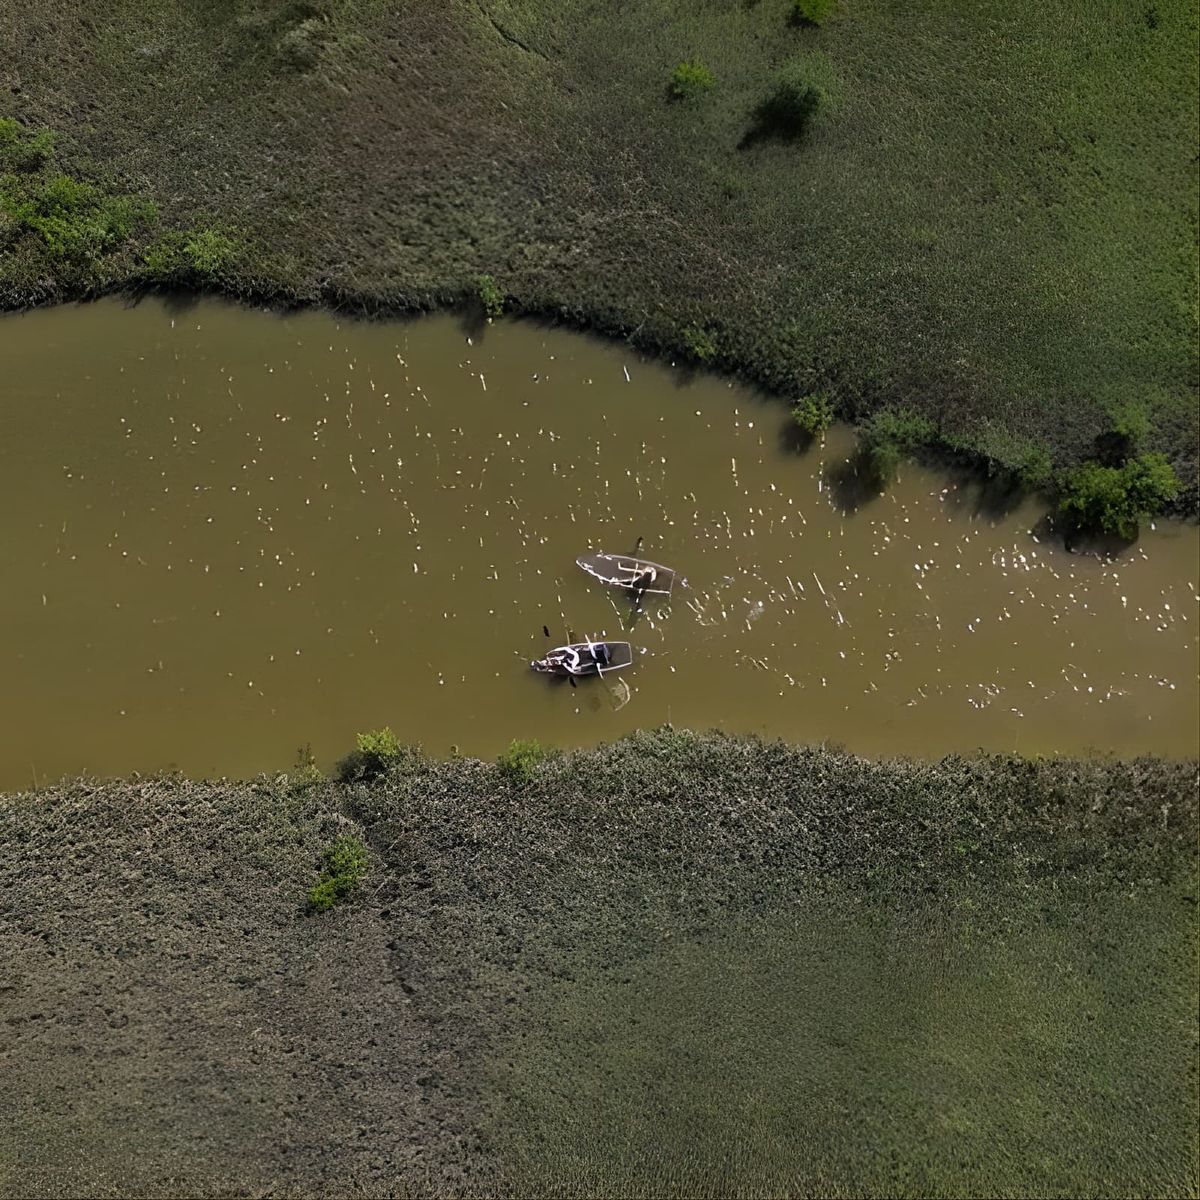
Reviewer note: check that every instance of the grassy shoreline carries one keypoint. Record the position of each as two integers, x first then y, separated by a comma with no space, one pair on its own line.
606,975
988,230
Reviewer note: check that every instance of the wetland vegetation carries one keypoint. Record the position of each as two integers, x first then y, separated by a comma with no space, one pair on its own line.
677,964
680,964
981,217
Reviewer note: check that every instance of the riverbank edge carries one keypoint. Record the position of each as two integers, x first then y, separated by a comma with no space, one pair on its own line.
1000,484
149,923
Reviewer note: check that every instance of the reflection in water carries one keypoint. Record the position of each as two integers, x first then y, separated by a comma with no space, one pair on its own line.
229,533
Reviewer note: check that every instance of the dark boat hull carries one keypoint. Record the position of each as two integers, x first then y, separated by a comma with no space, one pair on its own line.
623,570
620,655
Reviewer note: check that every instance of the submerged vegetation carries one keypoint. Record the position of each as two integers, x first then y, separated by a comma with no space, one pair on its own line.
650,969
981,214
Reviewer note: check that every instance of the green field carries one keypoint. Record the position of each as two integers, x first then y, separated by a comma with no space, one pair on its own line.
989,223
679,965
836,1052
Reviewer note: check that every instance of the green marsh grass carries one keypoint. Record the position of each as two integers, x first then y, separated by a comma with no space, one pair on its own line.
990,221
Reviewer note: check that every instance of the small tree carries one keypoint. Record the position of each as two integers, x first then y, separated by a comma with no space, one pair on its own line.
1113,500
490,296
690,80
887,437
813,413
374,754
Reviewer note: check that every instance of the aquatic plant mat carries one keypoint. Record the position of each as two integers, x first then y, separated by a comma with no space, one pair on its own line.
987,222
679,965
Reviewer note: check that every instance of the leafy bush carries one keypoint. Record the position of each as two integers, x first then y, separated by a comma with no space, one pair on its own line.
344,867
813,413
375,753
1034,469
77,222
520,760
21,150
787,112
811,12
1130,421
1104,499
490,296
210,251
889,436
191,256
691,79
700,343
380,747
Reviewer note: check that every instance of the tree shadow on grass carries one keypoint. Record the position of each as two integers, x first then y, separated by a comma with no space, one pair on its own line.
784,116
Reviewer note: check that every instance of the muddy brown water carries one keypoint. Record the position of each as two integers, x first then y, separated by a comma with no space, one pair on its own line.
227,534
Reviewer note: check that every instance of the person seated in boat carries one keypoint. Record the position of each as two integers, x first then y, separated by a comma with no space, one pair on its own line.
645,579
566,658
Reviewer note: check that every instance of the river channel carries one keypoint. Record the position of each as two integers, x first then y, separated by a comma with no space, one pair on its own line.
228,534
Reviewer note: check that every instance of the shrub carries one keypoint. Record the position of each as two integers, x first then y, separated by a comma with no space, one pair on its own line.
379,748
191,255
813,413
21,150
209,251
1130,422
520,760
887,437
490,296
811,12
1034,469
690,80
76,221
374,754
344,867
700,344
1105,499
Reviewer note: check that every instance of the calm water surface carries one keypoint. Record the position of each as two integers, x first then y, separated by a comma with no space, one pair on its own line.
227,534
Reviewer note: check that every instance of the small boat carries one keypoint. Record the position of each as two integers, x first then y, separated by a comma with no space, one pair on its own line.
638,575
585,658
